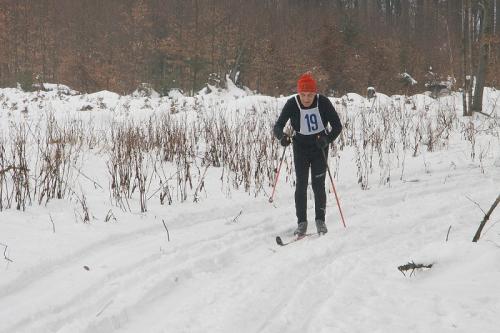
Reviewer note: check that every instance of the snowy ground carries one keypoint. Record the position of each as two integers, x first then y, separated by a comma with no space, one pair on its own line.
220,270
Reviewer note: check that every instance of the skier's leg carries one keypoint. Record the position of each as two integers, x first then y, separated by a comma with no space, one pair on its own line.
302,178
318,175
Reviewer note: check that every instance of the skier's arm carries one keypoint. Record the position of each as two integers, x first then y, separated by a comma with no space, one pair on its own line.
334,120
281,122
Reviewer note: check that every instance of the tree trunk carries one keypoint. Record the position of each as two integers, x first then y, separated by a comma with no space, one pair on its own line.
420,21
404,21
234,72
496,15
484,33
388,12
466,57
364,10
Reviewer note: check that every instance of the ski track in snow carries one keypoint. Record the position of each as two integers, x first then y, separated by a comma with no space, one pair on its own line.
183,261
234,271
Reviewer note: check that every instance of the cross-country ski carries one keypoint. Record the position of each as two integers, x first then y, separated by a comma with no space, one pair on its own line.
280,242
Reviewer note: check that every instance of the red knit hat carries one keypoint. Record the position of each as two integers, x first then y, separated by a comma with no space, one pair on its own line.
306,83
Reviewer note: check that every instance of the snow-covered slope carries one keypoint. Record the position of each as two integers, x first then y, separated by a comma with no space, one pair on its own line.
218,268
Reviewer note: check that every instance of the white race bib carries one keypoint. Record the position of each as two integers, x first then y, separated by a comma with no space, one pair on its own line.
310,119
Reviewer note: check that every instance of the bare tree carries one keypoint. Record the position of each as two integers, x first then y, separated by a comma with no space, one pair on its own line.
485,16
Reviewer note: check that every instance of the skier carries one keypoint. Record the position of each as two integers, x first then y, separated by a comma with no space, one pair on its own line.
309,113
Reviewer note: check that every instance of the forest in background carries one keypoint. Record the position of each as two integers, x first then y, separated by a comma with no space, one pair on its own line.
116,45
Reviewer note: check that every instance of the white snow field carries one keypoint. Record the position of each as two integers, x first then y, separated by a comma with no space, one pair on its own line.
219,269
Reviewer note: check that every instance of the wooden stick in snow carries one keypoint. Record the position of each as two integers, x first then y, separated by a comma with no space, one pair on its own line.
5,253
168,234
448,234
485,219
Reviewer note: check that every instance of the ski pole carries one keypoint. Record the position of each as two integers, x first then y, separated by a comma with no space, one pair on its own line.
277,175
333,186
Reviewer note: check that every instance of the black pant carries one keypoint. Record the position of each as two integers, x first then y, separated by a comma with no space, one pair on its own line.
305,158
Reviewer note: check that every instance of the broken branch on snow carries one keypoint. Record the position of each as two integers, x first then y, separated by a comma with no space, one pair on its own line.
412,266
485,219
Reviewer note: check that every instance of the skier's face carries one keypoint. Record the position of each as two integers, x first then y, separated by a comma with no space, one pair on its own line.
307,98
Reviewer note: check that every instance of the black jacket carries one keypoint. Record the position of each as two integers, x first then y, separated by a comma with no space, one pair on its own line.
291,112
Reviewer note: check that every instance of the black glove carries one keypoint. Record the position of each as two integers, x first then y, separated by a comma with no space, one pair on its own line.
285,140
322,141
